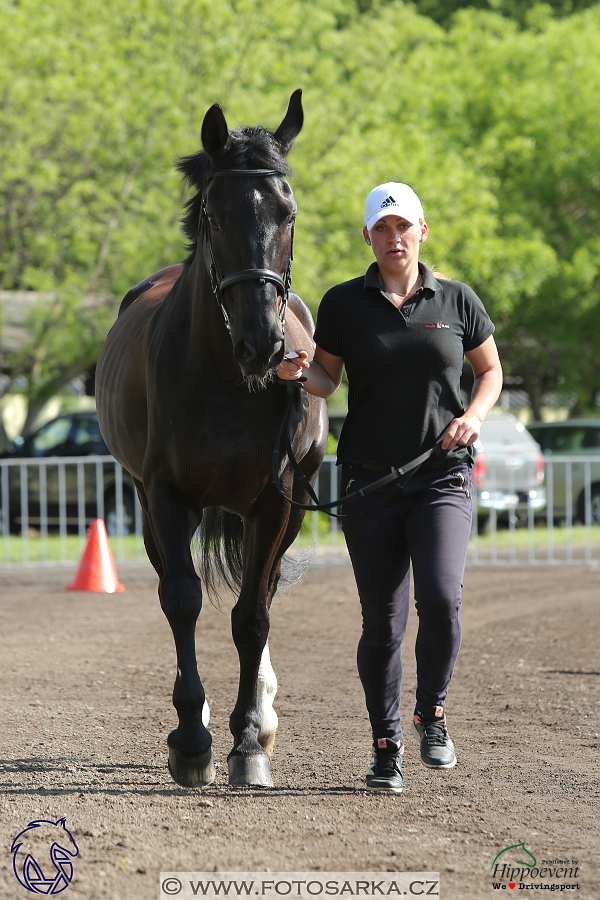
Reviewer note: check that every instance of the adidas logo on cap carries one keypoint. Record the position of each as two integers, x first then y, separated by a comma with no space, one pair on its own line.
392,198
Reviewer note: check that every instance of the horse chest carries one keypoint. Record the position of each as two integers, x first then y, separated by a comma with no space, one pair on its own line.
233,447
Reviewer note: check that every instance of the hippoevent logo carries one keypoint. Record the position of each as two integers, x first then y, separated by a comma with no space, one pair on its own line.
42,856
516,868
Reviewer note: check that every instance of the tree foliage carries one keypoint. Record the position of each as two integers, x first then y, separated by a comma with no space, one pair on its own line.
442,11
492,119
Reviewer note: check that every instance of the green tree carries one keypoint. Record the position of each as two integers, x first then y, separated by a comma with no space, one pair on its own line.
442,11
491,119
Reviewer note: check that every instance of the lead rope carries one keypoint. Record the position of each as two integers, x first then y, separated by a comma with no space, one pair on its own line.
393,478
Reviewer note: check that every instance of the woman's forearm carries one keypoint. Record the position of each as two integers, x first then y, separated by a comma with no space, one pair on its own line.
318,381
486,390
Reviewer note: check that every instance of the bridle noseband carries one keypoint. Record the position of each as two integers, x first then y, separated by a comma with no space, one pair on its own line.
220,284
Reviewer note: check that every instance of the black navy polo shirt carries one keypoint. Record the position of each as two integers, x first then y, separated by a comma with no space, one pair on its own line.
403,365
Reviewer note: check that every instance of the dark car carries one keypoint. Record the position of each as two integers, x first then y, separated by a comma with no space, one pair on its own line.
576,440
46,486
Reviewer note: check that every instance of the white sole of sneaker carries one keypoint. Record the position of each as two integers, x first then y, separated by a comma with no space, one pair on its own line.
383,790
445,766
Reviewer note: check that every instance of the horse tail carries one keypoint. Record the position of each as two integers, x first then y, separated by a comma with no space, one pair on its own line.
218,551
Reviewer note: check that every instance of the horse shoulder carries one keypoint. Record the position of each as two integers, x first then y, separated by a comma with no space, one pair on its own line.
302,312
158,284
299,324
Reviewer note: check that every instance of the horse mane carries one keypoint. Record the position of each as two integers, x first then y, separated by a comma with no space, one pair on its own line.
251,147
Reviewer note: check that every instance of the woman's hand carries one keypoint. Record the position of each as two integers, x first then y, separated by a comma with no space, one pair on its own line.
320,377
487,384
463,431
293,365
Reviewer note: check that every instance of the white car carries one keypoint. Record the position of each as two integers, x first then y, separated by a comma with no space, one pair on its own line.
509,467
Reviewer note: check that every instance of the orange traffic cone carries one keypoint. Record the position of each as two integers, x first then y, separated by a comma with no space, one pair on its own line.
97,570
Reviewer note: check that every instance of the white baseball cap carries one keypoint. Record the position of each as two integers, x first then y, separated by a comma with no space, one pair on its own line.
392,199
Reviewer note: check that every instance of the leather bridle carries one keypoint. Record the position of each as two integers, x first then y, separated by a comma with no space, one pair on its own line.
220,283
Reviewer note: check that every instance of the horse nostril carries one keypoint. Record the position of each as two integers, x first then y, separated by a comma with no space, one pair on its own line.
244,351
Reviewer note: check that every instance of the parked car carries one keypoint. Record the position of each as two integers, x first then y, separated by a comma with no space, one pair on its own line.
578,438
509,468
69,435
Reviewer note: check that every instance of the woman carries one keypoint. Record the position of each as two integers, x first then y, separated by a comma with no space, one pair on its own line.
401,334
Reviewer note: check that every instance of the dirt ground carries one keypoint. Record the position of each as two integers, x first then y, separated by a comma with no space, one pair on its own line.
85,699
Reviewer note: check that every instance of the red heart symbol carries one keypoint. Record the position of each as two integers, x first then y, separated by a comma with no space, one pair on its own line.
512,884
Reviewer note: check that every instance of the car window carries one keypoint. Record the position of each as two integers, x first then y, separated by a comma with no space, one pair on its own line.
591,439
87,433
50,436
538,434
564,440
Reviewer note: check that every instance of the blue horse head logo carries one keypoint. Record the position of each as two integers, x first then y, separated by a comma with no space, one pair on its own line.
50,870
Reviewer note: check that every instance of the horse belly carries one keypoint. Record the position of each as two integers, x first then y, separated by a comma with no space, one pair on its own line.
121,394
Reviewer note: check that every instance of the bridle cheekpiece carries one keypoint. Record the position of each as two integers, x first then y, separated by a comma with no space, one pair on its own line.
220,284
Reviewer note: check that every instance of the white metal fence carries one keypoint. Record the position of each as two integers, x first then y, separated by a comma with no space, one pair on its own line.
512,524
46,506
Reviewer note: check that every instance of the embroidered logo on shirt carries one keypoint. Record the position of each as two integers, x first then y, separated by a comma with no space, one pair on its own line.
389,201
436,325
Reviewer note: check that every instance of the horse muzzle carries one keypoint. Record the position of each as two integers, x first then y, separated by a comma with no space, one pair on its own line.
253,360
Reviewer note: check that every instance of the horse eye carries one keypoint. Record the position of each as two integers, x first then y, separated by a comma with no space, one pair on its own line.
212,221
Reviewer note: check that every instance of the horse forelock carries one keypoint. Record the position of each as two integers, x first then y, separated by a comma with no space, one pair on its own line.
250,147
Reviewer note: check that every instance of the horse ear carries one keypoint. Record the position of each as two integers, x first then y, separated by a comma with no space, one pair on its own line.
291,126
214,134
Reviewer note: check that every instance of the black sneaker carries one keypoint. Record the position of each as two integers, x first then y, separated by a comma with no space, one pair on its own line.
437,750
385,771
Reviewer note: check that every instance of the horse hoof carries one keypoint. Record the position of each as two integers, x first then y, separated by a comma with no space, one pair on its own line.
192,771
252,771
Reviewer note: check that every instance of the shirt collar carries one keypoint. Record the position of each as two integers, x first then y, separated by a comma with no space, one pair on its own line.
429,280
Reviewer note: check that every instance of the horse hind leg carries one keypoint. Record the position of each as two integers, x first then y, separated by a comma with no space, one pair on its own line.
266,688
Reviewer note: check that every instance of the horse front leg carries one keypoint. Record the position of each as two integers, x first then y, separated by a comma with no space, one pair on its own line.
253,720
171,526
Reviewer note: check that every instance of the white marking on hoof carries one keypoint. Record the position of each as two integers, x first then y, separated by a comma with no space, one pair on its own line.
265,691
205,713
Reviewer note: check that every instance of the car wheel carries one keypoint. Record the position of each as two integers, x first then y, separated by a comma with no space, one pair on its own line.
594,506
111,517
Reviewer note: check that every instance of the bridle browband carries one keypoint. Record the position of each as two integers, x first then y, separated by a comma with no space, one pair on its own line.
220,284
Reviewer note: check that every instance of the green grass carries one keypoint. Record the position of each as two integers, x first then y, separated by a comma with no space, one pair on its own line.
560,537
68,550
503,539
13,551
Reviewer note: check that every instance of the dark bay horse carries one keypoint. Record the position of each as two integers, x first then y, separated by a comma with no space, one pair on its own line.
189,405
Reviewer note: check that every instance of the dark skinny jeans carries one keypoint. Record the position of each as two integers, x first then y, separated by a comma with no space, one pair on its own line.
427,523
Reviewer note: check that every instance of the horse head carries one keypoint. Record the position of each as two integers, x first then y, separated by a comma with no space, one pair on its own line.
245,231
